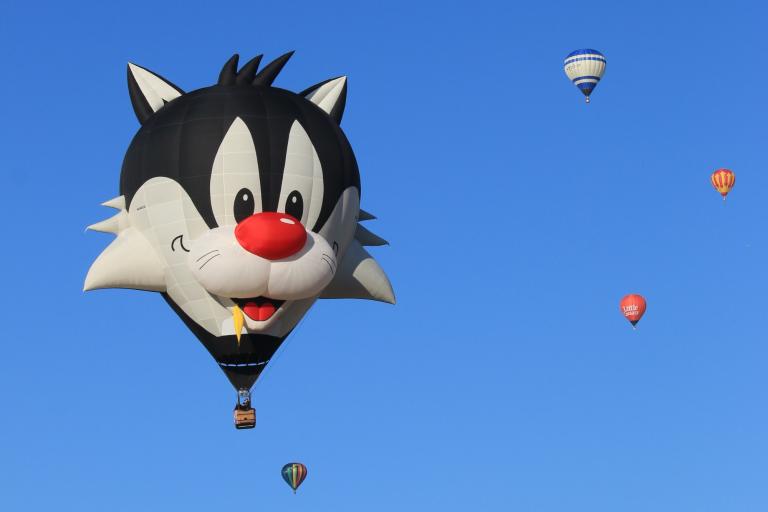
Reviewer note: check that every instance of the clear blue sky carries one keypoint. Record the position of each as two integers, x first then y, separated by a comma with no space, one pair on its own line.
505,378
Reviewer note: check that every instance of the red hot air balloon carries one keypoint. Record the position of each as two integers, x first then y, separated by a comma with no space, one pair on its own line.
723,180
633,308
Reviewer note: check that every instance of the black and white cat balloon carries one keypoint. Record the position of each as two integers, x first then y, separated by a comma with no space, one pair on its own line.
240,204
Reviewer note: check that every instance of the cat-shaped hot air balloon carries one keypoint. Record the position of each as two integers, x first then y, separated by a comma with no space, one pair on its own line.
240,204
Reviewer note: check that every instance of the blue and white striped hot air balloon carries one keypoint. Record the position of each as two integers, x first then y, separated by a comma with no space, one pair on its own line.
585,68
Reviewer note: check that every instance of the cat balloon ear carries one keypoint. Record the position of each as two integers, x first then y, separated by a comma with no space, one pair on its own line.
330,96
149,92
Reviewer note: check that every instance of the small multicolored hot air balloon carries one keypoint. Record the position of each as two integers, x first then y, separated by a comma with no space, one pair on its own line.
585,68
294,473
723,180
633,308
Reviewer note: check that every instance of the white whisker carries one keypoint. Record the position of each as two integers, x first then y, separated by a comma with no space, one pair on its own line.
208,261
206,254
329,266
330,262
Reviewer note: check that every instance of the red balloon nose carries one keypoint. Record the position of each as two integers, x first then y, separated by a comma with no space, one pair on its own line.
271,235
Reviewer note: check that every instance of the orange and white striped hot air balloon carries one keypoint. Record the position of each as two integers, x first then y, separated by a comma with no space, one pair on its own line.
723,180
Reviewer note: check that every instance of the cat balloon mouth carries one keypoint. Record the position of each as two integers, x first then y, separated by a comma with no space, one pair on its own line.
261,315
259,309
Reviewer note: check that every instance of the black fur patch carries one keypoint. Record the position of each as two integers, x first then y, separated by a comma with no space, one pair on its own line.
242,361
180,142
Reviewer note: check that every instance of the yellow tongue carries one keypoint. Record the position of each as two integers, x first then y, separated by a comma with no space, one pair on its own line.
237,318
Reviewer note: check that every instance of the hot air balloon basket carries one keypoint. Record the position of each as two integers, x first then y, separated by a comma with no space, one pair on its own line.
245,418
